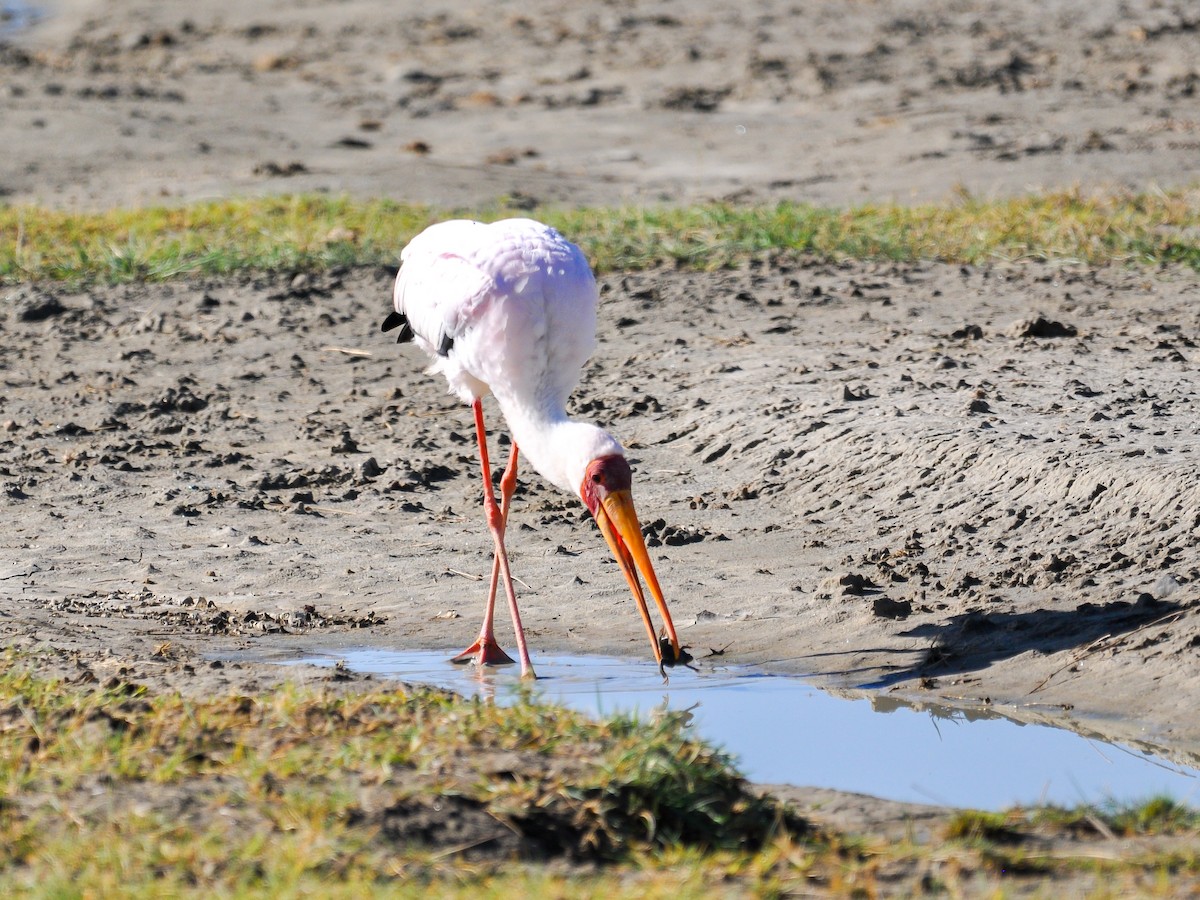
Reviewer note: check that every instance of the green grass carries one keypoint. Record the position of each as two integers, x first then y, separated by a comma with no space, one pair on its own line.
1154,816
1047,843
293,233
113,790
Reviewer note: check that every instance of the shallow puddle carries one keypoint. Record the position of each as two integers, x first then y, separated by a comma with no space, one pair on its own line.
17,16
783,730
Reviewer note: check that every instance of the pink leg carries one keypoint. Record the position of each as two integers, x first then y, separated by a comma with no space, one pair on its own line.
486,651
508,485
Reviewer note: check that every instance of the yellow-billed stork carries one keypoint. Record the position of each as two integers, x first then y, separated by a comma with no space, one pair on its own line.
509,308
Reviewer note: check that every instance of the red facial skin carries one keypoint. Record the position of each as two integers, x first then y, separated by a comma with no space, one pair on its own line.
605,475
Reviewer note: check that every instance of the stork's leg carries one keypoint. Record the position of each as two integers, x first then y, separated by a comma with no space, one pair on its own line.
486,650
508,485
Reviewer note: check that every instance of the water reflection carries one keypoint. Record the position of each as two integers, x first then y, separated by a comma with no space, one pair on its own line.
784,730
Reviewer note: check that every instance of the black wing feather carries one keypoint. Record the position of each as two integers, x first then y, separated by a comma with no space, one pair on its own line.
398,320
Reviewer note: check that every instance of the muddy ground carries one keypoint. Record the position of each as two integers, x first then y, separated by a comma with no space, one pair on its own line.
117,101
972,485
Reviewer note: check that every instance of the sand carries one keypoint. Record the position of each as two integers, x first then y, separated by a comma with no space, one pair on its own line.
124,101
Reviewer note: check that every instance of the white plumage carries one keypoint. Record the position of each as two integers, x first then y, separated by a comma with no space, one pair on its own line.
518,302
509,308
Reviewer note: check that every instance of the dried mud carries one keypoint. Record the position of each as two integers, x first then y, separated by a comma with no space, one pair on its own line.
140,101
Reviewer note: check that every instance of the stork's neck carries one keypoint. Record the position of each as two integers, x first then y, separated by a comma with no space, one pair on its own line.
558,447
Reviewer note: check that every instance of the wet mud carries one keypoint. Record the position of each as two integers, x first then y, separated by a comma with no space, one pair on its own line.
888,477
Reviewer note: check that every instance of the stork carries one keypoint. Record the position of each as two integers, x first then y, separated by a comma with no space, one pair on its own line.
509,309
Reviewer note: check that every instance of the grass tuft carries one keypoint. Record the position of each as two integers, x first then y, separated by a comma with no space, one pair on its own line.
1159,815
976,826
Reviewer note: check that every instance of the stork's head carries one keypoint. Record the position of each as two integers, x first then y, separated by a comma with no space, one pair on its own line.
606,493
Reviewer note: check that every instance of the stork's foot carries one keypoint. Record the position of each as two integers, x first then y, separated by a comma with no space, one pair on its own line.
484,652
